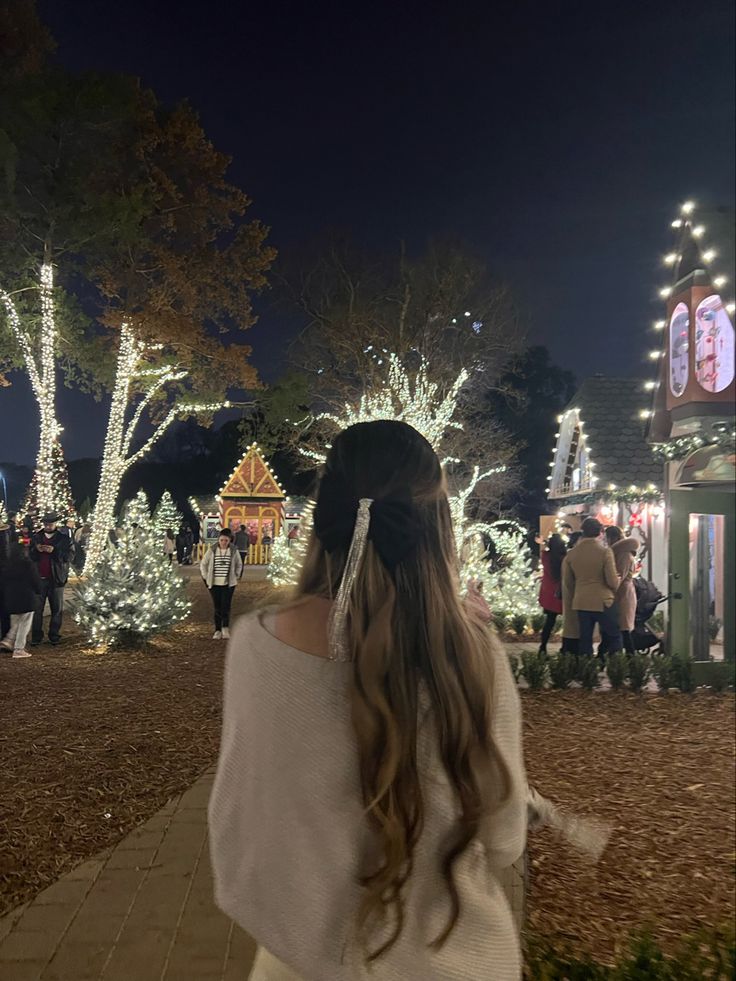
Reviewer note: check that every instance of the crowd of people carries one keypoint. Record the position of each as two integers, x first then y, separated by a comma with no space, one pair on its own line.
34,569
589,582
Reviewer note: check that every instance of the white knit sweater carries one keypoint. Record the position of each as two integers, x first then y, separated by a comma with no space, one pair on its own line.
287,832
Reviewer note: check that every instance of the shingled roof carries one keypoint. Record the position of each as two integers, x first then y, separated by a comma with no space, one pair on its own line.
609,409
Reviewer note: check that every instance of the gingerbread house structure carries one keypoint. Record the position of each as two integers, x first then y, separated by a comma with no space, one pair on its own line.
252,496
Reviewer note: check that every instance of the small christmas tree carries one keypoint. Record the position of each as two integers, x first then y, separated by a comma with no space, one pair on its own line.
287,556
135,592
510,585
63,502
136,511
167,516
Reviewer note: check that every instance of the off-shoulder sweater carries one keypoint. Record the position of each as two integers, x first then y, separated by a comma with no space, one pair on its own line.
289,839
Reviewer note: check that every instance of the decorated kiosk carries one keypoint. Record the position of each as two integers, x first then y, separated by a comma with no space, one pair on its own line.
692,431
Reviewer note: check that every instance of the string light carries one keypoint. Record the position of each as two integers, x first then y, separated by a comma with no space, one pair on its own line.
720,281
709,255
650,385
665,292
677,223
655,355
687,208
135,591
698,231
660,325
116,457
670,259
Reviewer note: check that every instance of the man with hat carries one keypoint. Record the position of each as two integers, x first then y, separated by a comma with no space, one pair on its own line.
50,549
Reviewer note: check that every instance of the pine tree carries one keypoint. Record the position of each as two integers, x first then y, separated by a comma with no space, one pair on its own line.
287,557
510,586
135,592
167,516
63,502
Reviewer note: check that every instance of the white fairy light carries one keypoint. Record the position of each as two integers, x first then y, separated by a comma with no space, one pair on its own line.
116,457
698,231
687,208
645,414
677,223
731,307
709,255
665,292
659,324
650,385
670,259
655,355
720,281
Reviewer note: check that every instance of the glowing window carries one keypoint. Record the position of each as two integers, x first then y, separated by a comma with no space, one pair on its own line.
679,349
714,345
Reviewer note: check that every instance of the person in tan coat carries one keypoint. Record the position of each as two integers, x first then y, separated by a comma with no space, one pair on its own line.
624,557
590,577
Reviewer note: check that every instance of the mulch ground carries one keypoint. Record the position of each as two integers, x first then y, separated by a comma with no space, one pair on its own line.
93,745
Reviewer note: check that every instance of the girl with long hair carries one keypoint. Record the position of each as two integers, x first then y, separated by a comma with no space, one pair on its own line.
550,590
371,785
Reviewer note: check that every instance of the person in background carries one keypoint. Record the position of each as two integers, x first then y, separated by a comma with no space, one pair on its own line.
221,569
371,784
169,544
550,591
242,543
188,545
81,543
181,540
590,578
8,538
49,549
21,589
624,557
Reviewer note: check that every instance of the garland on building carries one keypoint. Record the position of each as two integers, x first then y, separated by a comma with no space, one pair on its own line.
57,490
682,446
135,592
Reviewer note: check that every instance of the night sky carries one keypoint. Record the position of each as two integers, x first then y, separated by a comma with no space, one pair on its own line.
555,139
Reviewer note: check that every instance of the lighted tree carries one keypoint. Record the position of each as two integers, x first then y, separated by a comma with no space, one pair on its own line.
287,556
167,516
414,399
138,386
135,592
509,579
61,496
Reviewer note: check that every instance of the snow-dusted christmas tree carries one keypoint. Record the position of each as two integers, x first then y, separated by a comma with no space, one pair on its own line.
59,490
135,592
287,556
510,585
167,516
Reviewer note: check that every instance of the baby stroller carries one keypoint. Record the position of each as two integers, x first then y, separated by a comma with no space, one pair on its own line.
648,598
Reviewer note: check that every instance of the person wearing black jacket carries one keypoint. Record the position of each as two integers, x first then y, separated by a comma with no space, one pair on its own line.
50,551
21,590
7,539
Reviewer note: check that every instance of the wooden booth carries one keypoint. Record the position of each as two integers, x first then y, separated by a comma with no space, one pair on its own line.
252,496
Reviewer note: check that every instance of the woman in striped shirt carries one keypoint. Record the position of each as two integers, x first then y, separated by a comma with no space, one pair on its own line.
221,568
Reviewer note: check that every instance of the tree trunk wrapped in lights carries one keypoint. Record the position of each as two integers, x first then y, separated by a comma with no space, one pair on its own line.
50,488
135,592
132,369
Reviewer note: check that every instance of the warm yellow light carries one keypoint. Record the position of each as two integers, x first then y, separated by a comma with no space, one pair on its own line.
659,325
670,259
687,208
655,355
698,231
709,255
665,292
720,281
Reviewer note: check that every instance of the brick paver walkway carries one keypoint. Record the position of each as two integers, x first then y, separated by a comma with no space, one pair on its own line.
143,912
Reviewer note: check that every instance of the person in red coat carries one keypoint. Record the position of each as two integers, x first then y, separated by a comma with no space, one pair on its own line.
550,592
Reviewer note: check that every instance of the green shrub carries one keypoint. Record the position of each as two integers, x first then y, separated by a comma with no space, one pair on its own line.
515,665
639,671
518,623
714,627
562,670
500,620
588,672
721,676
617,667
534,669
682,672
662,672
537,622
709,953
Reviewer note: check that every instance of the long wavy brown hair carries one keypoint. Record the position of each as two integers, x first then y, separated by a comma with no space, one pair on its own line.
408,628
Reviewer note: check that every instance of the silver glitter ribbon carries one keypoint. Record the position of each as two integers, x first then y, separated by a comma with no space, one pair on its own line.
337,624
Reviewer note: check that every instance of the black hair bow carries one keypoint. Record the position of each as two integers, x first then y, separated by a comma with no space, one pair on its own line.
394,528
